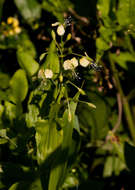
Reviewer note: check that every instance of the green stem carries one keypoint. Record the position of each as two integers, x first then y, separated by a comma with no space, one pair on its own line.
126,106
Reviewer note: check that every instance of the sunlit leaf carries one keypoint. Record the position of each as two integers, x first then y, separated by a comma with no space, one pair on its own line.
10,110
32,115
48,139
123,12
27,62
52,60
108,167
28,46
58,173
19,86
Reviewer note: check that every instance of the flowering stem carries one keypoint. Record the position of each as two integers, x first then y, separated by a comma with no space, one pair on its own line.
79,89
126,106
72,84
76,54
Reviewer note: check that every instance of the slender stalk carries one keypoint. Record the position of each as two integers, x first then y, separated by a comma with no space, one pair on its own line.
126,106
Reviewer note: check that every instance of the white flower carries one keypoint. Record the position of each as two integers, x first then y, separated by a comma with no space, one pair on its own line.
60,30
84,62
48,73
41,74
68,65
74,62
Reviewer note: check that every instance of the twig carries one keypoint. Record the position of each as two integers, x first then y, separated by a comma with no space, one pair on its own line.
126,106
83,19
119,113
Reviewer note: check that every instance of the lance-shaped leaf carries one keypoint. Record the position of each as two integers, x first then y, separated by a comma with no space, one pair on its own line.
52,60
48,139
59,166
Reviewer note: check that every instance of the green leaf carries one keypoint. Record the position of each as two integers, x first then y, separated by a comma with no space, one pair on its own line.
68,125
71,181
29,9
58,173
52,60
19,86
104,7
4,80
3,133
32,115
42,56
57,8
1,110
108,167
97,119
3,136
76,124
132,12
34,185
123,12
102,45
27,62
3,141
118,166
48,139
107,10
3,95
27,45
10,110
125,60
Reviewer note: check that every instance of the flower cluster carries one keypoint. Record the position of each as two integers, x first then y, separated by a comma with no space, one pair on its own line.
11,27
71,64
45,73
68,64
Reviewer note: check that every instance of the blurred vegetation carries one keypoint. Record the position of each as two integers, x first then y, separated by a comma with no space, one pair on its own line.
51,137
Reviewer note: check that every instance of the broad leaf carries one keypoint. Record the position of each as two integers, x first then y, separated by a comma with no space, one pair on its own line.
19,86
95,119
27,62
123,12
29,9
125,60
28,46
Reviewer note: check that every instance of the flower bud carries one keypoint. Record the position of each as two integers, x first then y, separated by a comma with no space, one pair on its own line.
60,30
